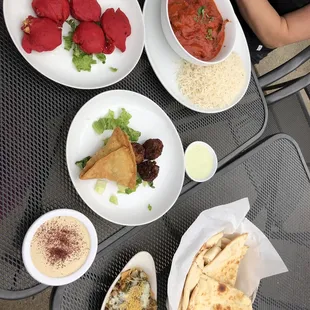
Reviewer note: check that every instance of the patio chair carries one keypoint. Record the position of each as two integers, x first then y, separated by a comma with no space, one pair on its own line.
287,109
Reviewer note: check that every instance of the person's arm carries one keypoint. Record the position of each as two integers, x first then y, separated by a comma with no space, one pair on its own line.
272,29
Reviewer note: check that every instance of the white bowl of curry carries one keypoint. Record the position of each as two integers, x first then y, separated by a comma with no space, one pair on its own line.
202,32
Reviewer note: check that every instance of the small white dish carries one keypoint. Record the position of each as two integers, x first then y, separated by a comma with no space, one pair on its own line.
152,122
26,251
57,64
144,261
212,161
166,63
227,12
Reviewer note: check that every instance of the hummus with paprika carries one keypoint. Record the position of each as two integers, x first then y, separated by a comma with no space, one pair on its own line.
60,246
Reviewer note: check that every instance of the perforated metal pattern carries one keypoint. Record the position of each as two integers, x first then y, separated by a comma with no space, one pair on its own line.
274,178
35,117
290,116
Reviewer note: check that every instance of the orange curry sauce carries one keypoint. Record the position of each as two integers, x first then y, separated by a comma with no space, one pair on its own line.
198,25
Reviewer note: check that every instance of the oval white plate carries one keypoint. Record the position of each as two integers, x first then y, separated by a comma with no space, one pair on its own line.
26,253
166,62
152,122
144,261
57,64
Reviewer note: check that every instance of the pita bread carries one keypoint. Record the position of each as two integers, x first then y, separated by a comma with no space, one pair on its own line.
116,141
210,294
225,241
211,254
212,241
192,278
119,166
196,269
224,268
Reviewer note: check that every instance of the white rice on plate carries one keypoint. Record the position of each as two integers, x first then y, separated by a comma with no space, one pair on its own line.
214,86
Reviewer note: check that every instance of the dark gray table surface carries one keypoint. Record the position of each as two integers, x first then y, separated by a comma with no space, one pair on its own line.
276,180
35,116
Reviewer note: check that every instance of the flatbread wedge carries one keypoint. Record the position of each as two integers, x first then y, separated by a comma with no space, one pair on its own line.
210,294
211,254
116,141
225,241
118,166
212,241
224,268
196,269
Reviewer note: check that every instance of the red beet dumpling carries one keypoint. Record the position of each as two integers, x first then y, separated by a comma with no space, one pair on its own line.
40,34
85,10
116,27
56,10
90,37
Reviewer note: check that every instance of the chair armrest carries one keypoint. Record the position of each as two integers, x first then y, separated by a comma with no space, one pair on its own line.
301,83
285,69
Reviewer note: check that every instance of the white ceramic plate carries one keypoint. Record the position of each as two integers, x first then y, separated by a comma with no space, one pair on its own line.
26,250
152,122
144,261
166,62
57,64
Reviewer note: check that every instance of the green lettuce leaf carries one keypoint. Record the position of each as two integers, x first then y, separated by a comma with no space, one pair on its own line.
133,135
109,122
101,57
81,60
73,24
68,38
124,117
68,41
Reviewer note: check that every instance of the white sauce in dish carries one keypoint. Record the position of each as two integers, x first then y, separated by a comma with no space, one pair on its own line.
199,161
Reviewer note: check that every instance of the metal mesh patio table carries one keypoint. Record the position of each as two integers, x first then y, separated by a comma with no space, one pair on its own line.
35,117
275,179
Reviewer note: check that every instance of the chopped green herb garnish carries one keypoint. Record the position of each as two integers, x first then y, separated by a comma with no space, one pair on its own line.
113,199
101,57
82,163
201,11
151,184
128,190
109,123
72,23
149,207
81,60
113,69
100,186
